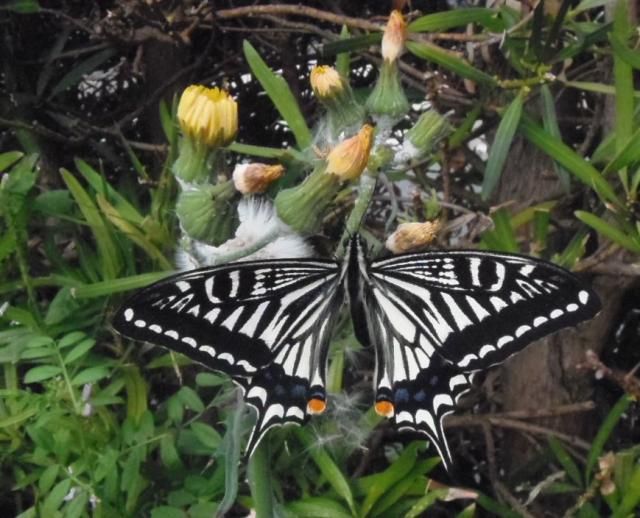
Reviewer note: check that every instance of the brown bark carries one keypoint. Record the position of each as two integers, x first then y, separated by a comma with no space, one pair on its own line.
545,375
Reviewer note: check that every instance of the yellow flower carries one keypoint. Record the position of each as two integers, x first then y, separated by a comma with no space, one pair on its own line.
395,34
255,177
326,81
208,115
409,236
349,158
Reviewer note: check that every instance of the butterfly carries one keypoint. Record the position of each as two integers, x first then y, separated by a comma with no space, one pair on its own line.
433,320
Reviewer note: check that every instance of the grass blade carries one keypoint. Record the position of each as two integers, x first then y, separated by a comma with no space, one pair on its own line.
279,92
445,20
501,145
605,229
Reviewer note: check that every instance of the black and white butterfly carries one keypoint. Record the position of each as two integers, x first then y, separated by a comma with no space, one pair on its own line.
432,318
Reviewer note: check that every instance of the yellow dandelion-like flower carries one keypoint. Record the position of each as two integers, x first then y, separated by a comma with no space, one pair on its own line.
208,115
326,82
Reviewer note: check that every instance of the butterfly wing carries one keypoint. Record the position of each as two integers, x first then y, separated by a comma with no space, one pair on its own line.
434,318
256,321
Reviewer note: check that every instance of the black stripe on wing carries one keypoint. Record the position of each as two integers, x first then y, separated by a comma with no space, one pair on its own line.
231,318
477,308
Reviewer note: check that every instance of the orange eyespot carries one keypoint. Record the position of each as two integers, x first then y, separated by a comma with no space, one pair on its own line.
384,408
316,406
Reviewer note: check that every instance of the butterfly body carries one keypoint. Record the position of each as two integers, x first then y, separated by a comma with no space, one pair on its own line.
432,319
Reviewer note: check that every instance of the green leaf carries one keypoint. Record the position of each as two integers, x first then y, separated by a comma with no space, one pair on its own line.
550,123
81,69
317,507
206,435
100,289
77,507
585,5
625,155
44,372
353,44
495,508
425,502
21,6
450,61
630,496
79,350
54,499
445,20
630,57
90,375
392,475
208,379
9,158
279,92
62,306
48,477
502,237
327,467
565,460
136,389
165,511
108,251
260,481
190,399
607,426
501,145
604,228
71,339
568,158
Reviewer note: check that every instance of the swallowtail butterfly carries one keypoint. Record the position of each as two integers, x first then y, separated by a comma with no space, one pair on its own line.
433,319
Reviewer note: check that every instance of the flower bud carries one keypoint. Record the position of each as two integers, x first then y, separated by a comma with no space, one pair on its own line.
208,115
255,178
349,158
206,213
421,138
335,94
387,98
409,236
395,34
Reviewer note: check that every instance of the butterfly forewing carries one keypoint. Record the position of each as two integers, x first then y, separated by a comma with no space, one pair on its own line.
476,309
231,318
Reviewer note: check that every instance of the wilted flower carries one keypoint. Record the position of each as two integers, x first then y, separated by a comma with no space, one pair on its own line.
349,158
409,236
326,82
206,213
302,207
395,34
255,177
208,115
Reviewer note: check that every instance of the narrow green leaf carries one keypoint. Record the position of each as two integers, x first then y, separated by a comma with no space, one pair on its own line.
425,502
90,375
394,473
607,426
231,454
585,5
99,184
327,467
502,237
353,44
495,508
55,498
501,145
630,57
450,61
18,418
280,94
550,122
630,496
48,477
107,248
136,389
9,158
21,6
599,88
317,507
445,20
44,372
259,474
100,289
81,69
625,155
616,235
568,158
565,460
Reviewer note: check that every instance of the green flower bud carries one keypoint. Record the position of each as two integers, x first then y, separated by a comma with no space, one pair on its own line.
427,131
206,214
388,97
